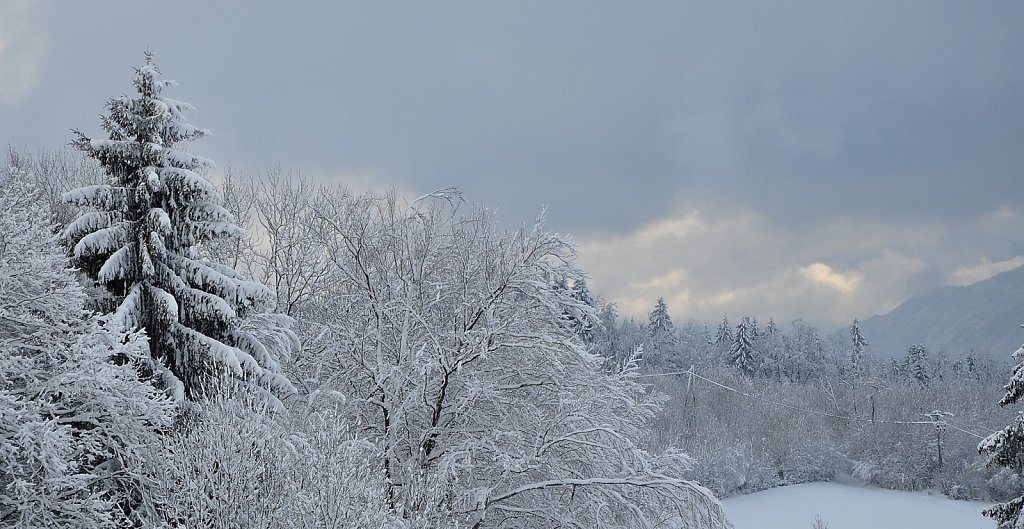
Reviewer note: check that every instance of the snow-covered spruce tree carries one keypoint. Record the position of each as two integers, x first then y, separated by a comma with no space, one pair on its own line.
660,323
584,326
723,336
858,347
1007,448
917,365
741,353
660,337
138,238
77,430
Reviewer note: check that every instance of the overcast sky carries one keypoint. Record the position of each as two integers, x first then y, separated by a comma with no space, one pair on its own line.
777,159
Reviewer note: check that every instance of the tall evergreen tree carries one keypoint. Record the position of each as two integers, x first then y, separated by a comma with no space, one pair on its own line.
894,370
660,335
1007,448
917,365
583,325
660,323
723,335
859,347
137,239
581,293
772,351
741,354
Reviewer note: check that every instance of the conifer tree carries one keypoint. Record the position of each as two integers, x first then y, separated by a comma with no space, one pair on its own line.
741,354
1006,448
971,363
894,369
581,293
917,365
773,350
660,335
660,323
583,325
859,344
723,335
138,235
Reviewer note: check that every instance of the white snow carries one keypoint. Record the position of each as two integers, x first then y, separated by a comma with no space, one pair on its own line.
104,240
117,265
851,506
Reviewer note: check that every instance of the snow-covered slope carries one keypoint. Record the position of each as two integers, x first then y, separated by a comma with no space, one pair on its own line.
984,317
846,506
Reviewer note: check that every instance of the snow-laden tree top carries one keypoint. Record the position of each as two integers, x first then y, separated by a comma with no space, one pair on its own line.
137,236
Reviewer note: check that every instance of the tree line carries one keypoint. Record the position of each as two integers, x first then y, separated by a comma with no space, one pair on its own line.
758,406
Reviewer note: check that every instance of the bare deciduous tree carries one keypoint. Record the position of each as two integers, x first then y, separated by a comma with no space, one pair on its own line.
449,337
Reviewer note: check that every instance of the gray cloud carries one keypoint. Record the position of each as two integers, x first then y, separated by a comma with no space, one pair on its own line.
21,49
708,265
797,115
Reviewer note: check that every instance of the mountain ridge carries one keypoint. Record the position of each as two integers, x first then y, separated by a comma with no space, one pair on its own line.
983,317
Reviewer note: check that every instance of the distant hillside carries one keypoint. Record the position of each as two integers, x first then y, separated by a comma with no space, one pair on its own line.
984,317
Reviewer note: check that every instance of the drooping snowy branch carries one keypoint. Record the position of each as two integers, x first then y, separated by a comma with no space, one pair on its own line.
1006,448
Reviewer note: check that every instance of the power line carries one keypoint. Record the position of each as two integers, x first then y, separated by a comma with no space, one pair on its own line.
953,426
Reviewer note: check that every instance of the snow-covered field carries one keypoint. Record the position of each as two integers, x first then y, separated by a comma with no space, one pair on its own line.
851,506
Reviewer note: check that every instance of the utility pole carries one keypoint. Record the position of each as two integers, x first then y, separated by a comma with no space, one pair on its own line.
939,420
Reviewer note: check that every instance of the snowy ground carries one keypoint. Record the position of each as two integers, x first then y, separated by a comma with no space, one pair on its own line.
852,506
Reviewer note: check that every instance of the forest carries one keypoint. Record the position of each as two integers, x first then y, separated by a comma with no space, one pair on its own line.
270,351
